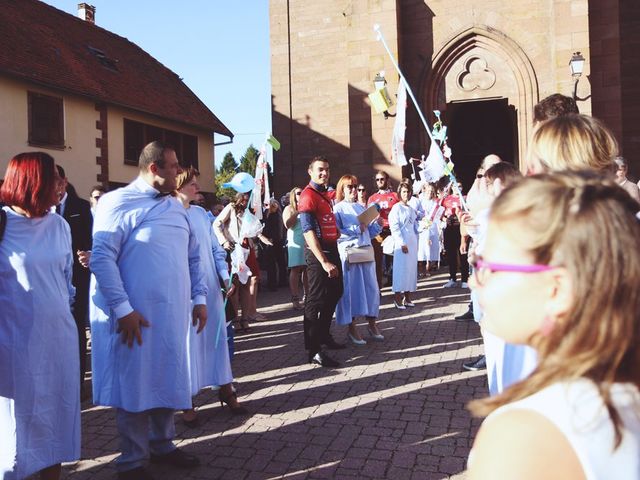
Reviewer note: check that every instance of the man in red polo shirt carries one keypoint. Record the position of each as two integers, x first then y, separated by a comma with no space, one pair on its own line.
384,198
323,263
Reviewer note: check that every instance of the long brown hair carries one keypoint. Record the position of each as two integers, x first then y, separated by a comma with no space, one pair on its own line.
587,225
293,201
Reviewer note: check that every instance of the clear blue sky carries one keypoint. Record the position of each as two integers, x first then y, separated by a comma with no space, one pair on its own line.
219,47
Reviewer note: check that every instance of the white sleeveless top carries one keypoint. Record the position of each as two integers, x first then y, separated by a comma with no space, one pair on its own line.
577,410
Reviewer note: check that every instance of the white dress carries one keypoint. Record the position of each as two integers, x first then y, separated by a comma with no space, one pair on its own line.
146,258
209,362
403,225
577,410
429,239
39,361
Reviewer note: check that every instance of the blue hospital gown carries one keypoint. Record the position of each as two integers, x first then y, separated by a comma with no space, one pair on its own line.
39,360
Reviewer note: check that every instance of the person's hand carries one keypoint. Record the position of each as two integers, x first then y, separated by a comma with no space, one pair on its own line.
363,227
467,219
199,316
228,246
463,247
230,291
266,241
83,257
130,326
405,249
331,269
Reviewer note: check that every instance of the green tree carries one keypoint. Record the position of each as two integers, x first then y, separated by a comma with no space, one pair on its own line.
248,160
228,164
223,177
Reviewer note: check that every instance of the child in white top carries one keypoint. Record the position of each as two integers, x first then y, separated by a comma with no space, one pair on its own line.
560,272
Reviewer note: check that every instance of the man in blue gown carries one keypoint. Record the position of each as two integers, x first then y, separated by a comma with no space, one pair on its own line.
147,270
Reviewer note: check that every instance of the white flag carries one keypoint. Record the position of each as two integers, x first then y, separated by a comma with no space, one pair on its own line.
397,141
261,189
434,167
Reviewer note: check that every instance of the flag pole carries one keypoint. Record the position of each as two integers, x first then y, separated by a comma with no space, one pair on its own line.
380,38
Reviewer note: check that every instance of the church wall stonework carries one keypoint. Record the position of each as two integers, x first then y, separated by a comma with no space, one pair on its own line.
325,57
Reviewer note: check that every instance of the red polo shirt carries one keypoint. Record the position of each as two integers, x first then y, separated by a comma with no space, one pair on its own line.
319,205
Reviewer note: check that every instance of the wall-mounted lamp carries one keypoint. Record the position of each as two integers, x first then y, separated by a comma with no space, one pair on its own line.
576,64
380,98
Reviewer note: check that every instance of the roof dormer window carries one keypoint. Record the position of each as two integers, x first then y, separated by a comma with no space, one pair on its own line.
110,63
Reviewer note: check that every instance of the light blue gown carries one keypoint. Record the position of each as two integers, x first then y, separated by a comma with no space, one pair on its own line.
506,363
209,362
361,295
404,230
39,366
146,258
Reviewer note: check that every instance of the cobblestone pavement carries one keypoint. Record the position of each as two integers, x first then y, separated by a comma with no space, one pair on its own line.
393,410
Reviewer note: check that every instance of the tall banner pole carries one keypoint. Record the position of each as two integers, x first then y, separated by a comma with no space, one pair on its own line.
380,38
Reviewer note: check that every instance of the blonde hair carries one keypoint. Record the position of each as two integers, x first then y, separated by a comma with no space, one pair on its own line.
575,220
186,176
293,201
340,187
573,142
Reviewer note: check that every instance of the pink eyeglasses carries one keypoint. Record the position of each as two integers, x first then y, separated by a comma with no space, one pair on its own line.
482,270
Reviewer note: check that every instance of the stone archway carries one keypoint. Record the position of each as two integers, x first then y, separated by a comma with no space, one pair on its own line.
482,63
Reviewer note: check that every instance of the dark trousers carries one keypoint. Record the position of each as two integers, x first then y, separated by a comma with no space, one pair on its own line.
322,298
376,243
80,311
452,246
276,264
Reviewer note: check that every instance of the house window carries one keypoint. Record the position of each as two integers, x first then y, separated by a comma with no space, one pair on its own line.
46,120
137,135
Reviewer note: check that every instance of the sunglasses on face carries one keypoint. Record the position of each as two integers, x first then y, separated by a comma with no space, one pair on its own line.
298,193
350,187
361,190
380,179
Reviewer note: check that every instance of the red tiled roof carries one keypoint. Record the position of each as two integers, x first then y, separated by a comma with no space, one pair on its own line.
44,45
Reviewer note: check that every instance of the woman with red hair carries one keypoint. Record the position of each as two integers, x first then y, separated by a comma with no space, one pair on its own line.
39,389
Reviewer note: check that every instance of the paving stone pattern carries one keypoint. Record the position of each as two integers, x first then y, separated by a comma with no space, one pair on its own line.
392,410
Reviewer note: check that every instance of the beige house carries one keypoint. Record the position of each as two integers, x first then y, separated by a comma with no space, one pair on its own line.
92,99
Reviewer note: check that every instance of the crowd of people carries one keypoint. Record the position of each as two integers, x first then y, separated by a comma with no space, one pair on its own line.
550,257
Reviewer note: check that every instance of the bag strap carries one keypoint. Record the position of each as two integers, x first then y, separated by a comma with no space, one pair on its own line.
3,223
321,196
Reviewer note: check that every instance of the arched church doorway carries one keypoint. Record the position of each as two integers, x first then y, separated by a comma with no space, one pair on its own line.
478,128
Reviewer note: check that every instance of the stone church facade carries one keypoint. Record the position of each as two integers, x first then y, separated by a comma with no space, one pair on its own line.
483,63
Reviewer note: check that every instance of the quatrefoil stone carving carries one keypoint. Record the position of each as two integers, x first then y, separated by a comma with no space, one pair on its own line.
476,75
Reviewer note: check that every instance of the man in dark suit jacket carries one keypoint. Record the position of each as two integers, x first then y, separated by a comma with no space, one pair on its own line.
77,213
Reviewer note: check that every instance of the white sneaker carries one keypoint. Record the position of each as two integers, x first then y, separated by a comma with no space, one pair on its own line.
464,285
450,284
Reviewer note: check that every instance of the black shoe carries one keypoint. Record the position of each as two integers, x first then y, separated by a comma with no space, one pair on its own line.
479,363
136,474
323,360
238,409
331,344
177,458
468,315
